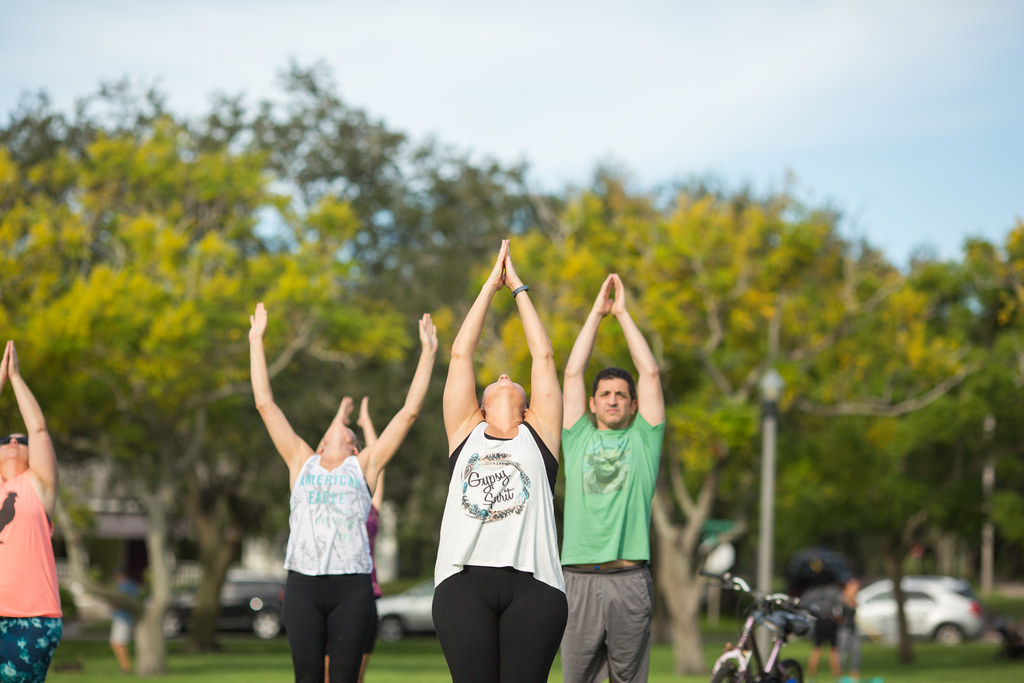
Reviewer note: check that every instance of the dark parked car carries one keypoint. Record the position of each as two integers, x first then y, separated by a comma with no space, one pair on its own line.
246,604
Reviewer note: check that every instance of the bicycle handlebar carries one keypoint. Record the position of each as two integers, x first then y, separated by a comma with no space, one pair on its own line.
730,581
783,600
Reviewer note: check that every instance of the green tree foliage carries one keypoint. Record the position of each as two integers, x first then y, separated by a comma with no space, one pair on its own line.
725,286
134,244
993,276
130,269
140,243
425,214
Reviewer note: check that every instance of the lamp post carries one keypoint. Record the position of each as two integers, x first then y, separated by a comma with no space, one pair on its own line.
988,487
771,386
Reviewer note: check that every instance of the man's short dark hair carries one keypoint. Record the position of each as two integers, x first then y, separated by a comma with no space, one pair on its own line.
615,373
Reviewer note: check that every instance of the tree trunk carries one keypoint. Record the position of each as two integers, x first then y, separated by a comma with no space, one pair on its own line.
681,593
894,567
680,587
79,578
945,554
150,646
220,536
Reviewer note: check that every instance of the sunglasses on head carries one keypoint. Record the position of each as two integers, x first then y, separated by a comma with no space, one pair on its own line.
23,440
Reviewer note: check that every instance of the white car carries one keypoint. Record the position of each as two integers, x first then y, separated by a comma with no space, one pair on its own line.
940,608
405,613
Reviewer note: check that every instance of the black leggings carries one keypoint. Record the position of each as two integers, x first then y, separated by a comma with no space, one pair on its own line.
499,625
328,615
371,638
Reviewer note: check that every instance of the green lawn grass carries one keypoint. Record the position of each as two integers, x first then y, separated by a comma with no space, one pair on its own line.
419,659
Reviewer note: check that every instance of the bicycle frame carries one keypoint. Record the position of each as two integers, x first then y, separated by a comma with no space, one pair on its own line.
745,657
745,652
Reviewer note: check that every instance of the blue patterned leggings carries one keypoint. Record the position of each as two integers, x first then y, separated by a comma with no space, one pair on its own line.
26,647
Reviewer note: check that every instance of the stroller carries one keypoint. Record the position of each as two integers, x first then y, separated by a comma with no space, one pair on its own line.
1013,640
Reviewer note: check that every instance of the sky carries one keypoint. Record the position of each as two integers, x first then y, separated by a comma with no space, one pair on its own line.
905,115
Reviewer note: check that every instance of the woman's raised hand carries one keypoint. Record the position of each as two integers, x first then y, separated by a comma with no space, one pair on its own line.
11,368
3,365
345,409
428,333
364,413
496,279
258,322
512,279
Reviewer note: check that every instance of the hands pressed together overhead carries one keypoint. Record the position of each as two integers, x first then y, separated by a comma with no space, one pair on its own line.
504,273
9,365
612,297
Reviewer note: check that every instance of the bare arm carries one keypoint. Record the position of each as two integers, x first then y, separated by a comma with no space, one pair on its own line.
365,423
292,448
369,438
378,492
545,409
650,400
42,459
460,406
574,385
374,458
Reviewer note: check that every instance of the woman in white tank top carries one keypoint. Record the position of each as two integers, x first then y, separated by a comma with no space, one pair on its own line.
499,603
329,604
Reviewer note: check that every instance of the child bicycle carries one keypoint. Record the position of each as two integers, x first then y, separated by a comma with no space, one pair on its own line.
782,616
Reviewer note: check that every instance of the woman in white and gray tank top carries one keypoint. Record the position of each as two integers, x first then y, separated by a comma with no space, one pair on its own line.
329,606
499,603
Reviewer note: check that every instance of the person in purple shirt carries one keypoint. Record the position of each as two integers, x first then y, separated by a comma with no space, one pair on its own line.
372,527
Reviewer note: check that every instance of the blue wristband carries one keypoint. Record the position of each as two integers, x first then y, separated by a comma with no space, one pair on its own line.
521,288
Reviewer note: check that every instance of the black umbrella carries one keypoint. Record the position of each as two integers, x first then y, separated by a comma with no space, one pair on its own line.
816,567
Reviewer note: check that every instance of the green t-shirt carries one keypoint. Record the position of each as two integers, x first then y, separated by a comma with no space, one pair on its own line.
609,484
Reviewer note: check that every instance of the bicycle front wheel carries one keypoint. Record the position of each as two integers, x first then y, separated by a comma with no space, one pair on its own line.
792,672
729,672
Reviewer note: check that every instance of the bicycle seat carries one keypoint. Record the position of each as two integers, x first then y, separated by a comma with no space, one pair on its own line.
788,623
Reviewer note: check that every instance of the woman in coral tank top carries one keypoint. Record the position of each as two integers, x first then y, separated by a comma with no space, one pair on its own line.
30,614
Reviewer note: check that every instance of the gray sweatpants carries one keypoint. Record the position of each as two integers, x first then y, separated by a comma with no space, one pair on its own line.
848,645
608,635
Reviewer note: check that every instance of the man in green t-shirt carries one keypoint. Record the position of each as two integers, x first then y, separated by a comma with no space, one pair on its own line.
610,471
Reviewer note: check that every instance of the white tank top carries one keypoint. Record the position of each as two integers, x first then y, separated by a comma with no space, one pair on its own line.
327,523
500,510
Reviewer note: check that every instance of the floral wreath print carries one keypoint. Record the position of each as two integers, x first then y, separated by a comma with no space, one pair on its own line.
487,515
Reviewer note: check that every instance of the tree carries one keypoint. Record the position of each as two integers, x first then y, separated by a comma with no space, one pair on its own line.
181,224
142,324
133,244
994,274
727,286
425,211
